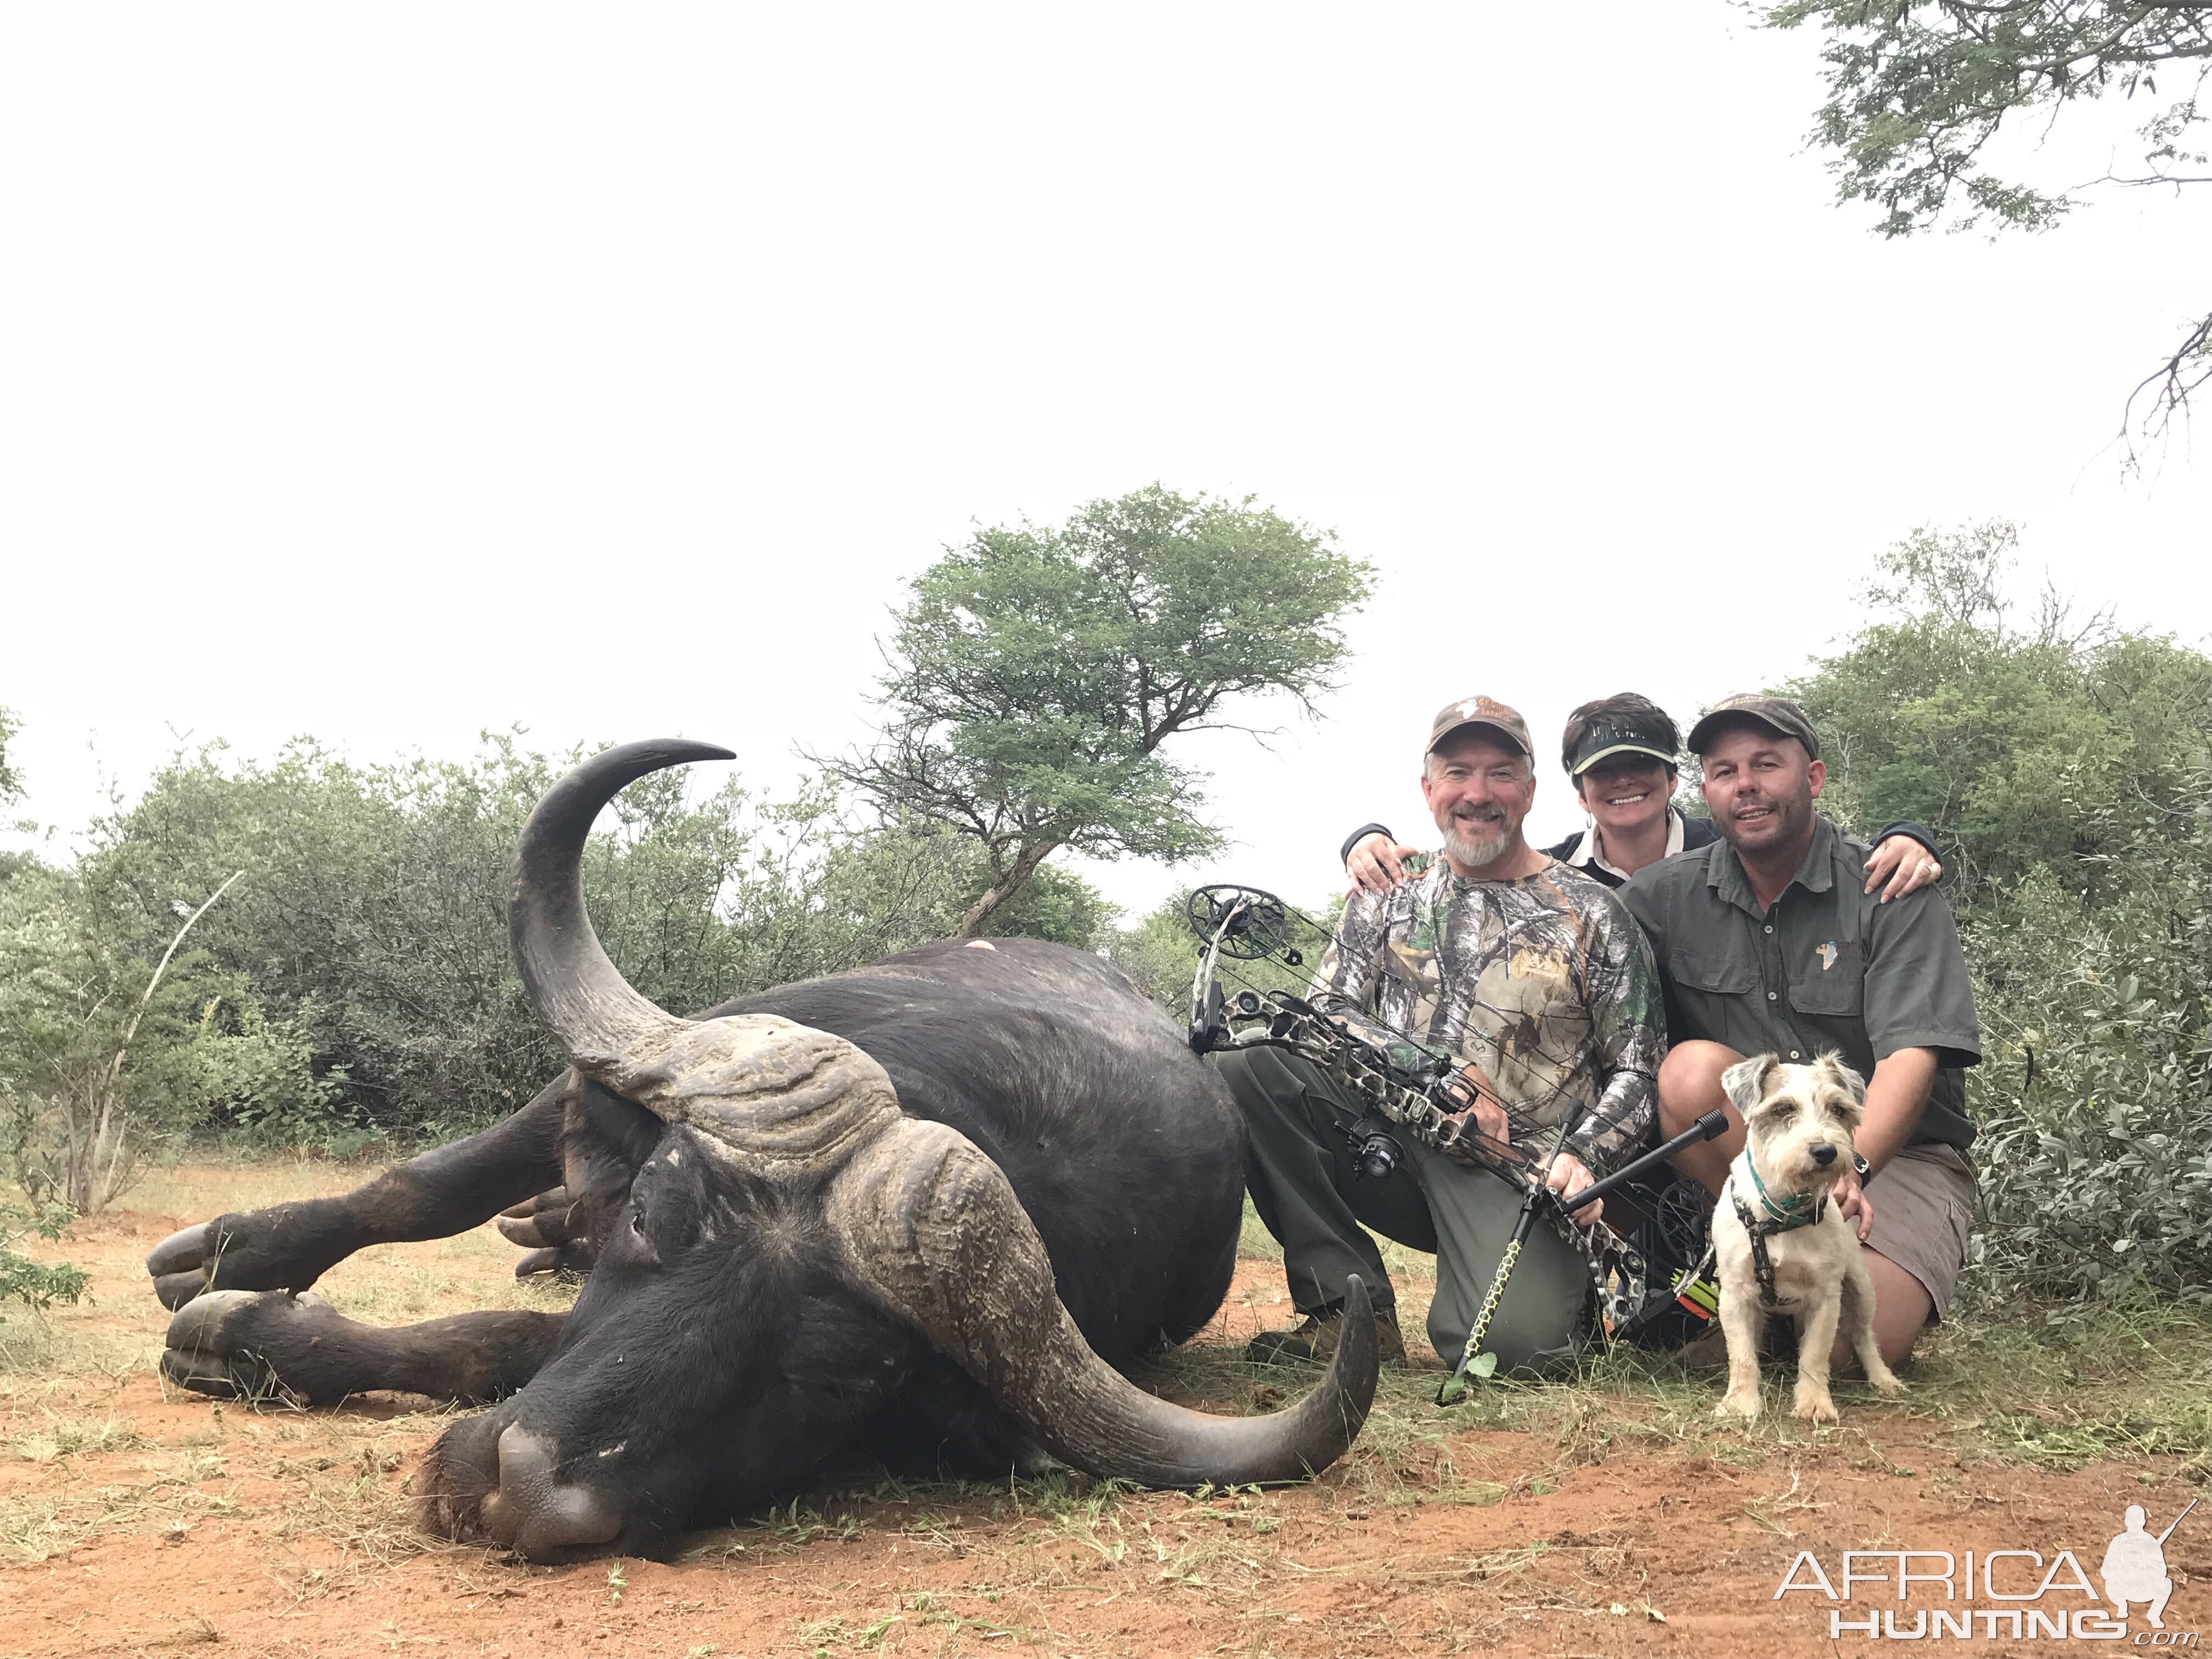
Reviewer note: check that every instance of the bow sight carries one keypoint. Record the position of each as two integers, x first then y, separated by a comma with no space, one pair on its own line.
1248,923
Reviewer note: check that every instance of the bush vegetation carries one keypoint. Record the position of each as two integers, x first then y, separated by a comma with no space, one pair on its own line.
355,984
2066,765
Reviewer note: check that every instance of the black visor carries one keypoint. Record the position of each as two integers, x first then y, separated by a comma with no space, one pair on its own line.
1609,737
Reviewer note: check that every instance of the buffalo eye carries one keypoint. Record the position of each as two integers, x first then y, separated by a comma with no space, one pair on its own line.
637,1220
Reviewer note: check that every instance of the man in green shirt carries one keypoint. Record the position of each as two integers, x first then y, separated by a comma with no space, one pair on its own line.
1767,942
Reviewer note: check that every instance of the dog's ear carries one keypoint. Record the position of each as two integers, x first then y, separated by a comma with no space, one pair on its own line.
1745,1081
1832,1070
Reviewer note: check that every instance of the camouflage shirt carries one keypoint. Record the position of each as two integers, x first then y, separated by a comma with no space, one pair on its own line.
1544,983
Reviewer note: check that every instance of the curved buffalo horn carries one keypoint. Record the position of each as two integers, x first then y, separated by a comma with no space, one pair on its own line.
934,1229
593,1013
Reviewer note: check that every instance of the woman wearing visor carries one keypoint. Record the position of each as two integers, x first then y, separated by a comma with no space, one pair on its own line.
1620,751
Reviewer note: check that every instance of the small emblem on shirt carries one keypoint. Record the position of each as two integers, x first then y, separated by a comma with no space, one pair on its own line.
1827,955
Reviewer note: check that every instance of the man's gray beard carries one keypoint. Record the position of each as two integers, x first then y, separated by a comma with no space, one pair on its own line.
1476,854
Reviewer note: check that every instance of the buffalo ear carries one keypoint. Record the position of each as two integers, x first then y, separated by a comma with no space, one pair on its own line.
1745,1081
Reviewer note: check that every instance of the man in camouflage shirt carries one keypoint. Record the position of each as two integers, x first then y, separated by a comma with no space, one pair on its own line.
1529,974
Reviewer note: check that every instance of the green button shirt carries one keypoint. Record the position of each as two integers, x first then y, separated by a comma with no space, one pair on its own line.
1827,967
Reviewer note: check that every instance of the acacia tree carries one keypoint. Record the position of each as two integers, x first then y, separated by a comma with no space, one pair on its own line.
1035,675
1918,89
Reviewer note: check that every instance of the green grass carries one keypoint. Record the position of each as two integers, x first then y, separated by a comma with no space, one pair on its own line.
2124,1382
2132,1381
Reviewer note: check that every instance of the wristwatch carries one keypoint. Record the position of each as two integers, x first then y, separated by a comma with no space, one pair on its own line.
1865,1170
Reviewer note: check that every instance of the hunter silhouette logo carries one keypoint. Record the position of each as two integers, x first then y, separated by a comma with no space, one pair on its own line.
2135,1566
2024,1595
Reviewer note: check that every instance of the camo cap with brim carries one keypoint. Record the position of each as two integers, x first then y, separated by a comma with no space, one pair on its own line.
1777,714
1608,738
1486,712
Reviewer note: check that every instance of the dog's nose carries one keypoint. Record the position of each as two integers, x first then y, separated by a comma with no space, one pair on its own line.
1824,1154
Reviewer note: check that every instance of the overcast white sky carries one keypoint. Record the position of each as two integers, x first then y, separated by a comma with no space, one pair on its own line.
391,373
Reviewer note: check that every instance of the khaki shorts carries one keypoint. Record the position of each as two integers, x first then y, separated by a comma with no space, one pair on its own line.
1924,1206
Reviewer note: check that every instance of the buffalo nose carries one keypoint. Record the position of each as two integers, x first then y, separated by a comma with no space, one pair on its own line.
536,1514
1823,1154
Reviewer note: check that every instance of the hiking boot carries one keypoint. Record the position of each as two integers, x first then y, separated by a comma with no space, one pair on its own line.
1314,1337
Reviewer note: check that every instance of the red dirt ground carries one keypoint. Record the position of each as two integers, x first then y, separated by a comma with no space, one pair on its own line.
286,1532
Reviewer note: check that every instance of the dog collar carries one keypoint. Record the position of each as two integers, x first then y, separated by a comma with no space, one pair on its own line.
1799,1210
1785,1217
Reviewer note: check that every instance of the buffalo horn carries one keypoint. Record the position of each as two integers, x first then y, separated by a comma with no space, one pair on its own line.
934,1229
593,1013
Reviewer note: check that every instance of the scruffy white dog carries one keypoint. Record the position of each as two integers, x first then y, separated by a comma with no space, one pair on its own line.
1780,1244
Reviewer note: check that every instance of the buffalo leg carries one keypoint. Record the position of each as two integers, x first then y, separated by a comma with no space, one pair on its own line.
249,1345
288,1247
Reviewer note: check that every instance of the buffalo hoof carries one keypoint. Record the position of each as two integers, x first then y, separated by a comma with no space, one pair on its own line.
551,1230
287,1247
180,1262
228,1344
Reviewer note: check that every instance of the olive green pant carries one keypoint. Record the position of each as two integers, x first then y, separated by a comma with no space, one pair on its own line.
1299,1170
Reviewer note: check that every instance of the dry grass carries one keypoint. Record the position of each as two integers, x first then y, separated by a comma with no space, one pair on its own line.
338,1473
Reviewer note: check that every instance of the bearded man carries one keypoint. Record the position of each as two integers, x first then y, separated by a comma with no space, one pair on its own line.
1529,974
1768,942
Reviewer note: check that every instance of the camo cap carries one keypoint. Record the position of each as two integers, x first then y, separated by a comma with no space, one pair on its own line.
1484,712
1777,714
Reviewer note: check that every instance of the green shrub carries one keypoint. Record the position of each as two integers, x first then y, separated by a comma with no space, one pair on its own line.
37,1285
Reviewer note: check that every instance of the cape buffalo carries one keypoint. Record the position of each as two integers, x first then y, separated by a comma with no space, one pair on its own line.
924,1205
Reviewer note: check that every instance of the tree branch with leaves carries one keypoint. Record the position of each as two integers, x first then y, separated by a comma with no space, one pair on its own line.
1918,91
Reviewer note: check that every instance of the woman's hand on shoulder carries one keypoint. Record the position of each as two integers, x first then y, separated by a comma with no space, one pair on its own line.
1898,865
1377,863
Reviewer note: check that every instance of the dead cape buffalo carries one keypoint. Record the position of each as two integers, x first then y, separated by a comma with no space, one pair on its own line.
922,1207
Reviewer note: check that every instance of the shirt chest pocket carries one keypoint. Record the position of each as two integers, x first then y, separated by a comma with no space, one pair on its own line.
1722,974
1834,982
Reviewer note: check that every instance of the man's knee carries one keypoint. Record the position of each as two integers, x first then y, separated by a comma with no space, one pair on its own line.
1901,1307
1690,1083
1260,1083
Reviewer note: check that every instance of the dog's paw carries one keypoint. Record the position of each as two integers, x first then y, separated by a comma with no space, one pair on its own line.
1745,1406
1813,1406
